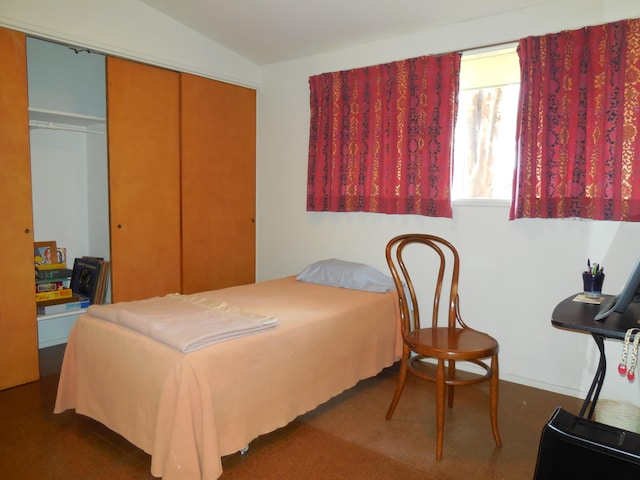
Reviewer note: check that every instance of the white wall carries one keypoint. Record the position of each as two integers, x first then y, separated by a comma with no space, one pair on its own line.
513,273
59,183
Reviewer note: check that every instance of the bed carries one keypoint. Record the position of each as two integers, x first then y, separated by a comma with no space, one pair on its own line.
187,410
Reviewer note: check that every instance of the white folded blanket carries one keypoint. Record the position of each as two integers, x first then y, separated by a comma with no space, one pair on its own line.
184,322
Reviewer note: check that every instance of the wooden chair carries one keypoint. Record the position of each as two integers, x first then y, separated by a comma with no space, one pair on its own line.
448,344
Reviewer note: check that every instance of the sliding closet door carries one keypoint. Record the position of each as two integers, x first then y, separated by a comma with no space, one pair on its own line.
143,119
18,328
218,184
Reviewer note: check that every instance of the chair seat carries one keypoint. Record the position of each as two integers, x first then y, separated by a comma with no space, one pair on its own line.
452,344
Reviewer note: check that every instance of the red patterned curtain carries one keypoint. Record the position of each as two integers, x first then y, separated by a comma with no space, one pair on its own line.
578,141
381,138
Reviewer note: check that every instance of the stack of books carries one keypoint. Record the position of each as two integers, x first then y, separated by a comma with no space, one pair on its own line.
62,305
90,278
52,278
60,289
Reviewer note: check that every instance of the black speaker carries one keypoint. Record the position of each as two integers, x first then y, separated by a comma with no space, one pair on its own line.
574,447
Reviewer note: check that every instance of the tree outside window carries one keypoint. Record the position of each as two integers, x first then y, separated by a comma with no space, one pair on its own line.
484,145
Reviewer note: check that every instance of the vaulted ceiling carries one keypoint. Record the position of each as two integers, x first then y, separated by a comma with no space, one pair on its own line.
268,31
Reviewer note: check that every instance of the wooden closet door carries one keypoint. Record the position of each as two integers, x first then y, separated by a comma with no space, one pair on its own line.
218,184
18,327
143,121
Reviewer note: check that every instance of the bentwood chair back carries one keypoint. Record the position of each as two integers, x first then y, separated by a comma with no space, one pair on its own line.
445,344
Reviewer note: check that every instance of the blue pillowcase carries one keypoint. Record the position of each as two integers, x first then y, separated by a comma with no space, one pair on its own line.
343,274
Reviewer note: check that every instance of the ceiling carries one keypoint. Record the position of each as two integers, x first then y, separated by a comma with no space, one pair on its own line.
269,31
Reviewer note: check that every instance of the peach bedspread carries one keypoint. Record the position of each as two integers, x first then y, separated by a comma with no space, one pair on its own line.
187,410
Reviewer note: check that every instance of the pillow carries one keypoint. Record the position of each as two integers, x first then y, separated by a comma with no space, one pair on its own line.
339,273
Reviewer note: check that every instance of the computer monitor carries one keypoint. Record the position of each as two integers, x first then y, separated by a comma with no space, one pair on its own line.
630,293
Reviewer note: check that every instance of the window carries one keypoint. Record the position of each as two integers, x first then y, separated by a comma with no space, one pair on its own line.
484,143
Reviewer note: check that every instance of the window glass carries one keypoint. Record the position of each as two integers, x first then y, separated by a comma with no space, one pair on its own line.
484,144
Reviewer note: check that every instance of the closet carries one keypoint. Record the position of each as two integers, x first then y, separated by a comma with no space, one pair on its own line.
67,119
174,211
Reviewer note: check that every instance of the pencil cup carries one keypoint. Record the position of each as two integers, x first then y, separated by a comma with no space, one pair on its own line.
592,284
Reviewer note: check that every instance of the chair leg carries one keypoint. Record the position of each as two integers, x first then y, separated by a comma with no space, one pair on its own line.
493,399
440,400
402,377
451,375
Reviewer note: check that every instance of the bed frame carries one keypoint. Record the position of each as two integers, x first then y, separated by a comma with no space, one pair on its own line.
187,410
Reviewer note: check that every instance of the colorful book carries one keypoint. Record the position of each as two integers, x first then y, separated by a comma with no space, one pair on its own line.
65,307
52,266
103,283
86,277
49,286
61,293
54,273
58,301
65,281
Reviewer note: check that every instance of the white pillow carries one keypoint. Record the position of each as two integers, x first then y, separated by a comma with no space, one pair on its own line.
343,274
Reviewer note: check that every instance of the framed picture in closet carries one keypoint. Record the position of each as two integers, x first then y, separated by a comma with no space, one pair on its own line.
45,253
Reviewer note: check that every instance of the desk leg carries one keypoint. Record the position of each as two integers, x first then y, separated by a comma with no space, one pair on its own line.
598,379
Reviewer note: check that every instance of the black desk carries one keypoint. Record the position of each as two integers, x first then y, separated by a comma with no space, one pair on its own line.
578,316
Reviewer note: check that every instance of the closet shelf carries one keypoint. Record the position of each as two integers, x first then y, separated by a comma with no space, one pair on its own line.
52,119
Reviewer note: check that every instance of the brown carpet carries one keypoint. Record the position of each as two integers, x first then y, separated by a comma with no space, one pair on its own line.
346,437
299,451
350,432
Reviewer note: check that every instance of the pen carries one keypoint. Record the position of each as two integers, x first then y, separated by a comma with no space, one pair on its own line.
594,268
